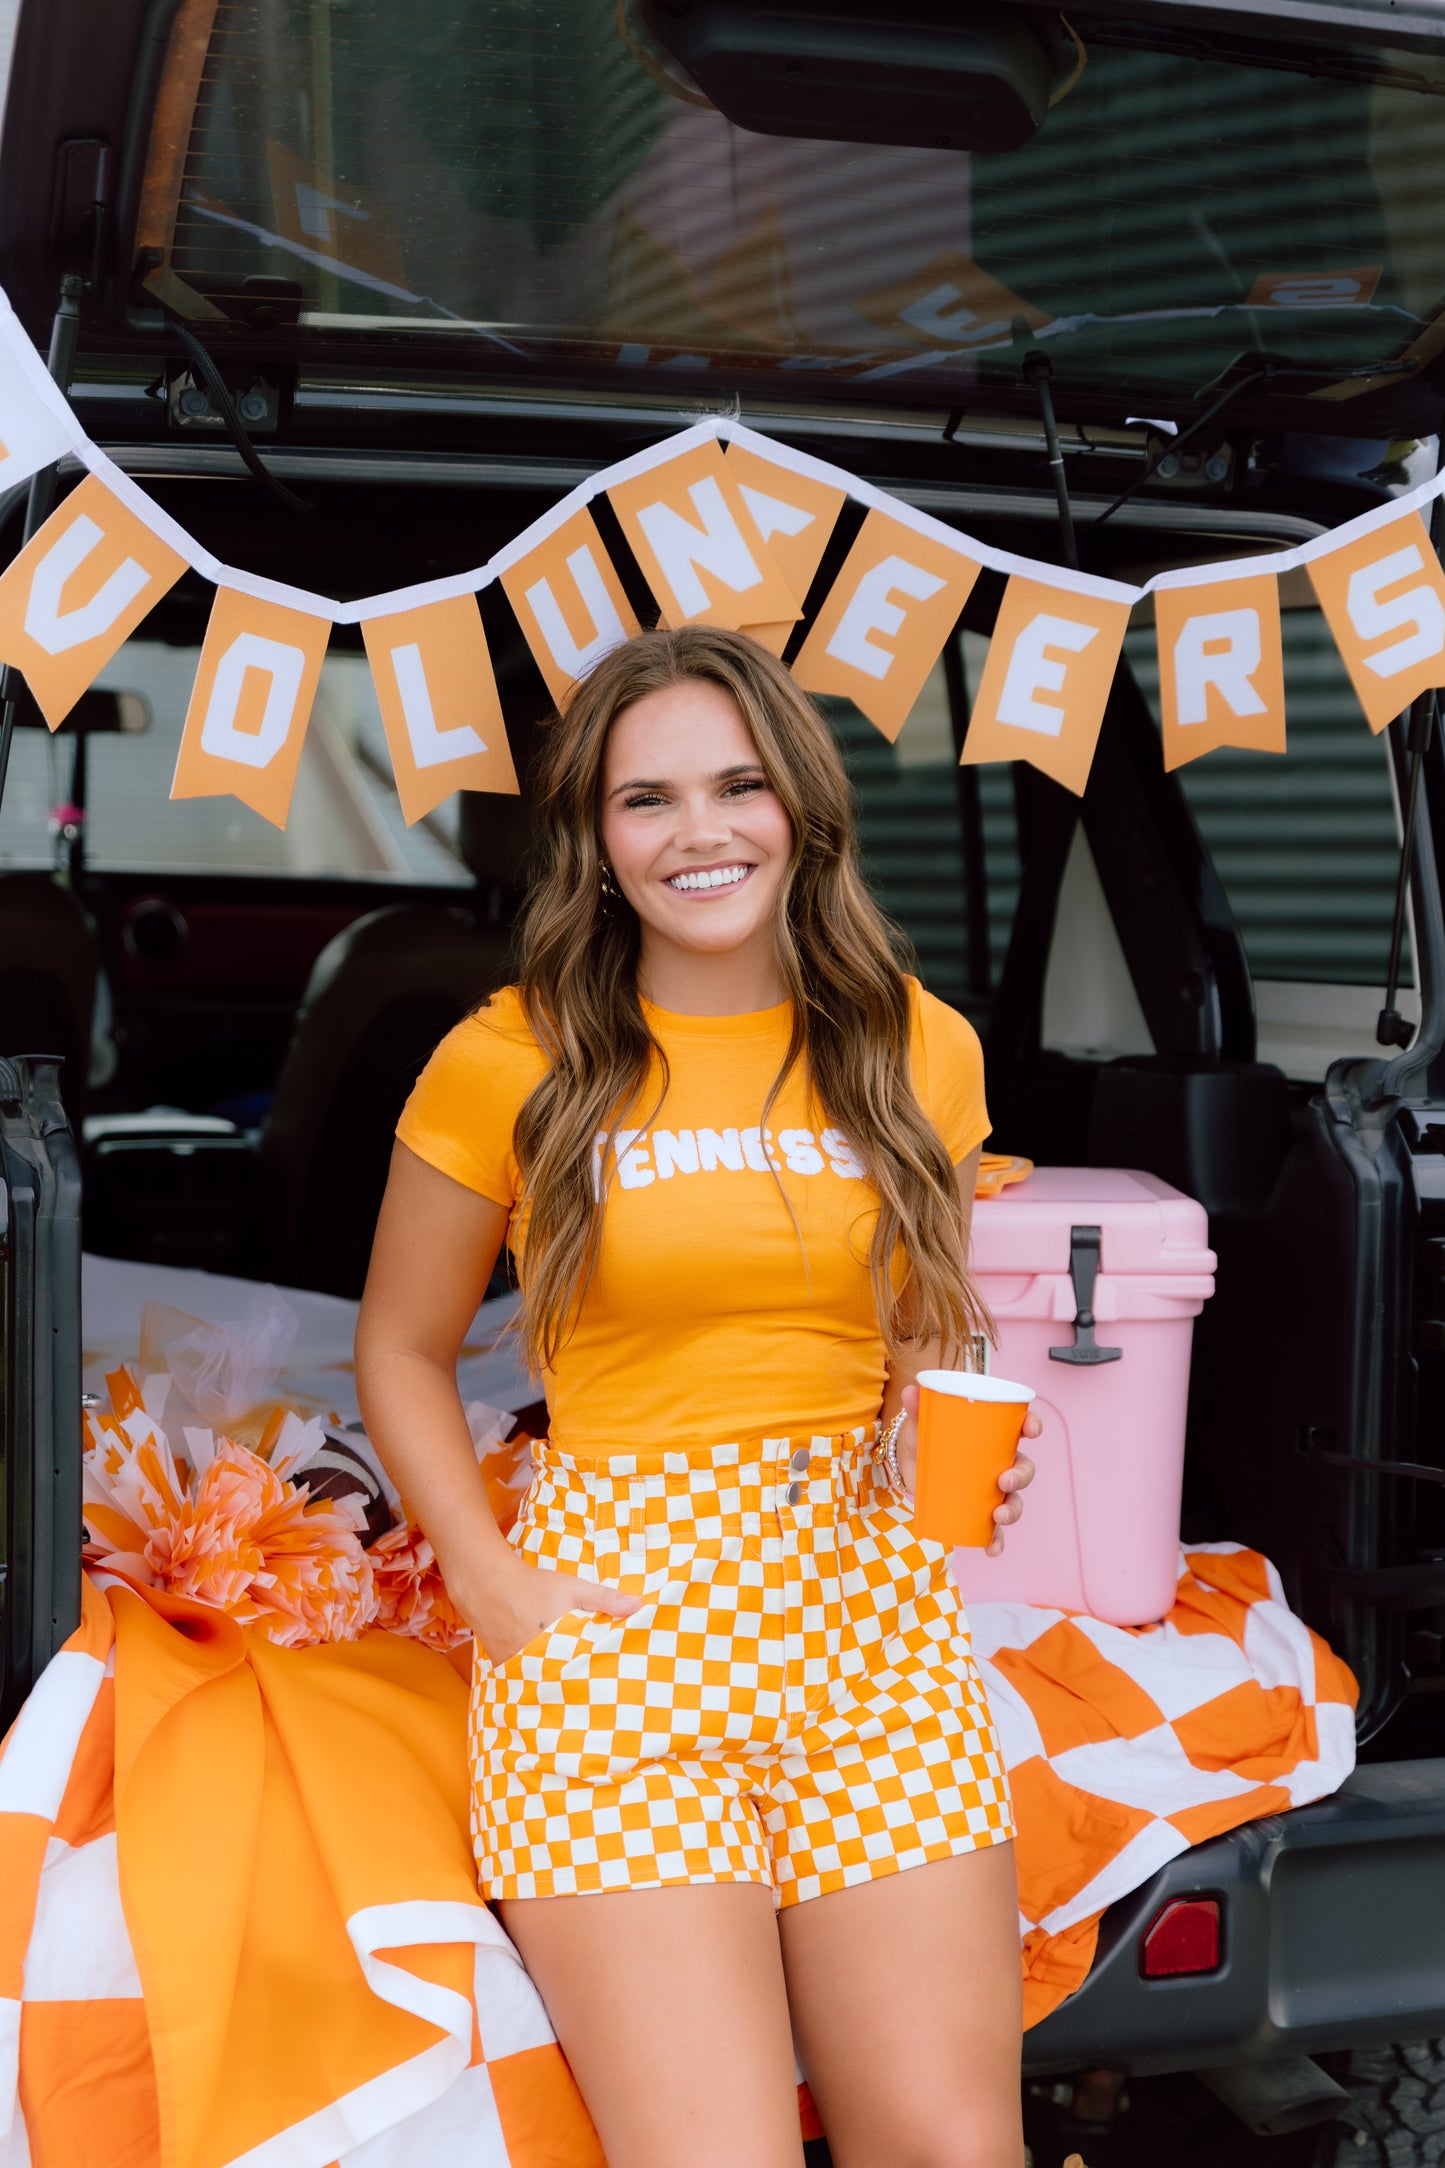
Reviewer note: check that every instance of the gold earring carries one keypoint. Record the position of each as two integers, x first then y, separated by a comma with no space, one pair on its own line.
610,890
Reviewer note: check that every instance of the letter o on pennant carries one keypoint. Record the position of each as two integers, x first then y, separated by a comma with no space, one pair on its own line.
246,724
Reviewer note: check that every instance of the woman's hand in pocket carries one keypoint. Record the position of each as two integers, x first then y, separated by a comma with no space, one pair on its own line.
516,1601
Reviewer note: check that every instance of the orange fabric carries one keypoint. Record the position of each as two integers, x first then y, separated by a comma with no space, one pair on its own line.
87,2085
732,1295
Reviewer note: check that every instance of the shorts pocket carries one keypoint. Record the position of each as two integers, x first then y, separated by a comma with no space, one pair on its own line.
569,1622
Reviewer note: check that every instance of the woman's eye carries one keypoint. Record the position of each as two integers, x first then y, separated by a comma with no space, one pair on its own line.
746,786
641,799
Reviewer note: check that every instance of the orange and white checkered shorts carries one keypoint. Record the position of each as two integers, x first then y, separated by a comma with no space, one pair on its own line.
795,1703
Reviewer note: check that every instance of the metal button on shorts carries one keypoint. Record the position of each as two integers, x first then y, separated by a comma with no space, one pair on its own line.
799,1461
795,1492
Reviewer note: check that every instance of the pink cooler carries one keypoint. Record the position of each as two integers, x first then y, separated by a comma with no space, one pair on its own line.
1095,1276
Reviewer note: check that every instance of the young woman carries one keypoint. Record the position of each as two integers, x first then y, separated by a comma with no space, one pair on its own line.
733,1148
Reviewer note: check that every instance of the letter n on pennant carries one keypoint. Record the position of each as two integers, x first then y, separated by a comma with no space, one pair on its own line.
438,699
1044,687
1221,667
76,591
251,703
887,615
690,529
569,603
1384,597
795,514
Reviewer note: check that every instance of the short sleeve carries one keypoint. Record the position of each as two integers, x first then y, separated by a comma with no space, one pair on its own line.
948,1074
461,1114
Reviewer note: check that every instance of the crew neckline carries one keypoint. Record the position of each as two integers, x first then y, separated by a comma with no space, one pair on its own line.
747,1023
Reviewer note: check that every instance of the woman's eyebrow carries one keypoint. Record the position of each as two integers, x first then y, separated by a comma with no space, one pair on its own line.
722,775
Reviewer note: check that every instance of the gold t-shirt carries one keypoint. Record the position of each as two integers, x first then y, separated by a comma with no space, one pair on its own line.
714,1312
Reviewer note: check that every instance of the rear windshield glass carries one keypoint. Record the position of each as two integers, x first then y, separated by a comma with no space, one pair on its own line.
525,176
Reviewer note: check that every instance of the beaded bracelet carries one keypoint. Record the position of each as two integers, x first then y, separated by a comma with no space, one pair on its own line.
887,1450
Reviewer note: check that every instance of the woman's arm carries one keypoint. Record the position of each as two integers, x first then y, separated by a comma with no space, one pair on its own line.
436,1243
901,1394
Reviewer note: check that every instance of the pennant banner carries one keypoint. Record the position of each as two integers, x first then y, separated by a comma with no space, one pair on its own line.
439,705
569,603
1384,597
256,680
76,591
1050,665
699,546
887,615
727,527
1221,667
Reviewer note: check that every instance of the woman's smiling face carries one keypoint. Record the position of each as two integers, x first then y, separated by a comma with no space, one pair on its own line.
697,839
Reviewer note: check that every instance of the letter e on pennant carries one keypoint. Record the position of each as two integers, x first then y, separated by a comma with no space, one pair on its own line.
1044,687
698,544
76,591
438,699
1384,597
1221,667
569,603
251,703
887,615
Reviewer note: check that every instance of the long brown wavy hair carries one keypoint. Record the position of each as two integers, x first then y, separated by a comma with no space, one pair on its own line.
840,960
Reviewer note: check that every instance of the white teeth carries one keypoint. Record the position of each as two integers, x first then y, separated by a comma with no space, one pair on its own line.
720,877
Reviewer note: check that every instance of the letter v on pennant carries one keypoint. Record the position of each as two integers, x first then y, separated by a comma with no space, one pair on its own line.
76,591
699,545
795,514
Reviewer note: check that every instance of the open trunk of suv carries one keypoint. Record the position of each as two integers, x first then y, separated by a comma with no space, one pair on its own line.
451,263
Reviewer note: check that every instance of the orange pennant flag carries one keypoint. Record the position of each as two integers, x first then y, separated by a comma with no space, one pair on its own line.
1384,597
438,699
569,603
76,591
699,546
795,515
1221,666
251,703
887,615
1042,695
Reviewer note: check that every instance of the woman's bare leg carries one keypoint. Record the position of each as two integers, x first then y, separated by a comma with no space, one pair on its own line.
671,2008
906,1998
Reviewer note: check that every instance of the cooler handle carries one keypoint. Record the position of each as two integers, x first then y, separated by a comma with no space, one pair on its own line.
1083,1271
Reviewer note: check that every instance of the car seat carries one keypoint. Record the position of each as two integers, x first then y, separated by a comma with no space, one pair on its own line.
380,996
47,978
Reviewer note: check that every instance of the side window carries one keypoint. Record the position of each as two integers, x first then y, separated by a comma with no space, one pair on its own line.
939,841
345,820
1308,849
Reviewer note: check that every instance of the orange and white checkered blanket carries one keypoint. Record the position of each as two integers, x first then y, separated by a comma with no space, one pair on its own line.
239,1924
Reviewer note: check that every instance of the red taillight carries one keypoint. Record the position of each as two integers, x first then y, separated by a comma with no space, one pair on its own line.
1184,1937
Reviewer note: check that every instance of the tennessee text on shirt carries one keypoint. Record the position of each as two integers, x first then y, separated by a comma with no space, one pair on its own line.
645,1156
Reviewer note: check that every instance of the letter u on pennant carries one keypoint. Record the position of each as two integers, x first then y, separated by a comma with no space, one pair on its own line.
569,603
76,591
1044,687
887,615
251,703
438,699
1384,597
699,546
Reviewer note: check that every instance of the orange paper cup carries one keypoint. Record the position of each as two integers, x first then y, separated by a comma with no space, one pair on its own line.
968,1432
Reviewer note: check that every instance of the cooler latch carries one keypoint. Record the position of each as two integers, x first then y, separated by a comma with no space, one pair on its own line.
1083,1271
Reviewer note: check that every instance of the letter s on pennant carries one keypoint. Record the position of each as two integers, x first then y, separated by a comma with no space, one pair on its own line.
887,615
76,591
1050,665
1384,597
439,706
1221,666
250,705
